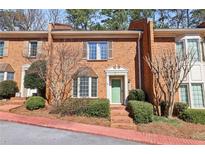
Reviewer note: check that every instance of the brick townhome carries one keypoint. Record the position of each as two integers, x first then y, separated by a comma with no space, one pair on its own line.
113,60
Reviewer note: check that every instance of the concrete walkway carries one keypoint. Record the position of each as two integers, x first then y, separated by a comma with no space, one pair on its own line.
21,134
97,130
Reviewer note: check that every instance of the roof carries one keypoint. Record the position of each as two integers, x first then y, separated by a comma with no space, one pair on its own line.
178,32
94,34
24,34
85,72
5,67
68,34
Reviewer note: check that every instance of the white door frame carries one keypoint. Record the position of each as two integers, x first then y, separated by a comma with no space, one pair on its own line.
116,71
29,91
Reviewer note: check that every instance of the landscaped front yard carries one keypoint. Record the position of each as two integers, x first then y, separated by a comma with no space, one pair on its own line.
163,126
174,127
44,112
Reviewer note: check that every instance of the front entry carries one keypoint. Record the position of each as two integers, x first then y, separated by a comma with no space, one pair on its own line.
116,91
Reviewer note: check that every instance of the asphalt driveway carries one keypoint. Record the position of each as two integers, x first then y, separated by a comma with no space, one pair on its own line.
18,134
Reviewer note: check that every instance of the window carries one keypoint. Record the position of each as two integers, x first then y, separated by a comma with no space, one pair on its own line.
10,75
1,48
197,95
33,49
104,50
92,51
183,90
75,87
94,87
1,76
193,47
98,50
85,87
180,48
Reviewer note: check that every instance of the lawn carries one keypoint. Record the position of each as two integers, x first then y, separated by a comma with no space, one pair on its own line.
45,113
173,127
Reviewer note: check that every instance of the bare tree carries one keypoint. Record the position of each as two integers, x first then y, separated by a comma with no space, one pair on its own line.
169,70
55,16
62,62
32,19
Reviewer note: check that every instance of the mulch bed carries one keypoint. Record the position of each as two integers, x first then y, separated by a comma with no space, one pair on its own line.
182,130
45,113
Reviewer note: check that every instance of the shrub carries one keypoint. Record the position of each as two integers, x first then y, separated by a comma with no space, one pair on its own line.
97,108
35,102
179,108
136,94
193,116
141,112
34,77
8,89
86,107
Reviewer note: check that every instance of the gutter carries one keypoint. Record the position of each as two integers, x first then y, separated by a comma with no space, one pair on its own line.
139,61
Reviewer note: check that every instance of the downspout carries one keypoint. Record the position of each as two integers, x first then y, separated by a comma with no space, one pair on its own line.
139,61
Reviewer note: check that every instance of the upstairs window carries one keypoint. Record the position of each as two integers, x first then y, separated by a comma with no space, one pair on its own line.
33,48
1,48
97,50
180,49
193,48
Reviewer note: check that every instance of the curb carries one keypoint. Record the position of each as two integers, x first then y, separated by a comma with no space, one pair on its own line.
132,135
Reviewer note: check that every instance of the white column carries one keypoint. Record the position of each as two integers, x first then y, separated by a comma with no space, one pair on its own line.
108,87
5,75
126,87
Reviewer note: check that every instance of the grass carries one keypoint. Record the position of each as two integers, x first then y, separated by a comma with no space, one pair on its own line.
173,122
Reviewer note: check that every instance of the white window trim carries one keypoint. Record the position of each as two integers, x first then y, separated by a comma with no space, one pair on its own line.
98,53
185,39
90,88
203,93
29,48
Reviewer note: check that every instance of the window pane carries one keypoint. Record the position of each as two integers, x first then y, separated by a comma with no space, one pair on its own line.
194,48
33,49
184,93
1,48
180,48
92,51
197,97
94,87
103,50
1,76
10,76
75,87
84,86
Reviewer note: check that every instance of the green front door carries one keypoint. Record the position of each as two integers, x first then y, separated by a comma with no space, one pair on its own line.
116,88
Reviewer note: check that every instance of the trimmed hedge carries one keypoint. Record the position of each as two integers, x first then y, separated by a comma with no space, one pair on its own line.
193,116
136,94
8,89
84,107
179,108
35,102
141,112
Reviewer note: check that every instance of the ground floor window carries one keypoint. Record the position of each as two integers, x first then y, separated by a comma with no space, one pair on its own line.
183,90
6,76
197,95
10,75
85,87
